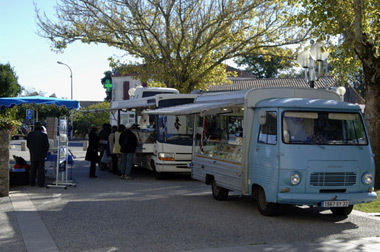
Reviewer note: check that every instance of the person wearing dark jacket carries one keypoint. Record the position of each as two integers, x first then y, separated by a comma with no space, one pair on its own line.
92,151
104,134
128,143
38,145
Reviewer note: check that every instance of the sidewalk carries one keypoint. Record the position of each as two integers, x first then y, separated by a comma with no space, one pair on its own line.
23,228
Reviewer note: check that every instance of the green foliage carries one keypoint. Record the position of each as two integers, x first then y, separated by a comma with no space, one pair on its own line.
83,121
268,66
44,111
8,82
182,44
350,27
8,120
371,207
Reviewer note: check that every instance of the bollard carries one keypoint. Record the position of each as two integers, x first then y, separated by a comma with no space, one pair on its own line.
85,145
23,145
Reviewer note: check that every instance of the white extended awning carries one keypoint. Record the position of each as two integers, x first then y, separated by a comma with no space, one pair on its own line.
194,108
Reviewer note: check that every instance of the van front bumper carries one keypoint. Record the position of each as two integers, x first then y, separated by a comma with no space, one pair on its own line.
316,199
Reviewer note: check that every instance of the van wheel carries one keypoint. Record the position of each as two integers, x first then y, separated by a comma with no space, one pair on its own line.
265,208
342,211
219,193
157,175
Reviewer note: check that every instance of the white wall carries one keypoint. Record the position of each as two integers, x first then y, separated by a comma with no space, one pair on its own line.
117,89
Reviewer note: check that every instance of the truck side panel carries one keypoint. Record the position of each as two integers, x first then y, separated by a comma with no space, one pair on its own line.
226,174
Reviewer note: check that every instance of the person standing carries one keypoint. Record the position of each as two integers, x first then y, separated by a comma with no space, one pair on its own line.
111,140
69,130
116,147
38,145
92,151
104,133
128,143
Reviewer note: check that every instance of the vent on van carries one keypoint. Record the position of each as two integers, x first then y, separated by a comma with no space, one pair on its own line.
333,179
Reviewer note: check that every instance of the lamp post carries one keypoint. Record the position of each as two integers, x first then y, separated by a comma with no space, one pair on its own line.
71,77
307,60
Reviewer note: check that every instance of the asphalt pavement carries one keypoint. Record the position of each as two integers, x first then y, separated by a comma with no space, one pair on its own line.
177,214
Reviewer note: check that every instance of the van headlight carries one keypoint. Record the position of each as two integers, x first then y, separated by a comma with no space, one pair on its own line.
367,178
164,156
294,178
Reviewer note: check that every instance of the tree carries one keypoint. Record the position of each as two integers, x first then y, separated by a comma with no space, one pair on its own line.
9,86
181,43
83,121
269,66
357,25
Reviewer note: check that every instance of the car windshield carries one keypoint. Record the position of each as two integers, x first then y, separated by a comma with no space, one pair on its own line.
328,128
175,130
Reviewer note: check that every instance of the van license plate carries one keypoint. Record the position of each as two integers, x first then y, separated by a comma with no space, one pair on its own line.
335,203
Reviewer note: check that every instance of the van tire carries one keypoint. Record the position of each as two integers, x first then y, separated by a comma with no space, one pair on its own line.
218,192
265,208
157,175
341,211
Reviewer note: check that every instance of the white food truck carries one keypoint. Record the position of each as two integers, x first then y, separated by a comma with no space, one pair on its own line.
294,146
164,142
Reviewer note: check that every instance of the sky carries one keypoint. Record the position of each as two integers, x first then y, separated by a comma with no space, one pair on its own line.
36,64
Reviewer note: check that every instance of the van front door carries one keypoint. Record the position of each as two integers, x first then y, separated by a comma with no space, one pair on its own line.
263,153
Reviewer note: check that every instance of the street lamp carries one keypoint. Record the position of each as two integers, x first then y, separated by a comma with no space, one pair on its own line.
308,58
71,114
71,77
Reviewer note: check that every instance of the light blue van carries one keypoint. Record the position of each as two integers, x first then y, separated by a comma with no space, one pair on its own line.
292,146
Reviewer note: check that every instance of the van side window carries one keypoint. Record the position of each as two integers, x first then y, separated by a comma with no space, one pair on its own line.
268,131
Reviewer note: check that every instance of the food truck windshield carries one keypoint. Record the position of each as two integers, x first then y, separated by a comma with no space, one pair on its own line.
327,128
175,130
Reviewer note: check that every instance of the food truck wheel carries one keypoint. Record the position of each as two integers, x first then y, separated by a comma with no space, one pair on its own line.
342,211
219,193
265,208
158,175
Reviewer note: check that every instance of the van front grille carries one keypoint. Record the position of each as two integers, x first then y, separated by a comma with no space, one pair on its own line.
332,179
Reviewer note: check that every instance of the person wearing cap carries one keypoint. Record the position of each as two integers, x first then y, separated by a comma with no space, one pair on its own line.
128,143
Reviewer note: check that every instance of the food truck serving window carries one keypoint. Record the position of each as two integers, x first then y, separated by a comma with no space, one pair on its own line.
323,128
219,136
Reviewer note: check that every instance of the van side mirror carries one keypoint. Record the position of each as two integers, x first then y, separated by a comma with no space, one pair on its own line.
262,117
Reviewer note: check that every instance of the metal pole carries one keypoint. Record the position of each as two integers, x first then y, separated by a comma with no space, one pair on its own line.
326,75
71,78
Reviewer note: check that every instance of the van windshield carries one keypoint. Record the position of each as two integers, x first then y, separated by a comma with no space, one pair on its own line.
327,128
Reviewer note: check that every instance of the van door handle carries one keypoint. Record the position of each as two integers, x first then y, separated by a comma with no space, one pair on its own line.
257,148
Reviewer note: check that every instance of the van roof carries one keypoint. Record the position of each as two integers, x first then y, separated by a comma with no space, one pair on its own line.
306,103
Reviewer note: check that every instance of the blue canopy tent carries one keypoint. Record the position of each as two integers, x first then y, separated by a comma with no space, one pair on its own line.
9,102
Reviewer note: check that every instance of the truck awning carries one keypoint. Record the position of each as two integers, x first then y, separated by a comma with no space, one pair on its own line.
194,108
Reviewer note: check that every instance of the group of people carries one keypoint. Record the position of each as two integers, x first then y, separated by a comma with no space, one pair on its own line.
116,146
